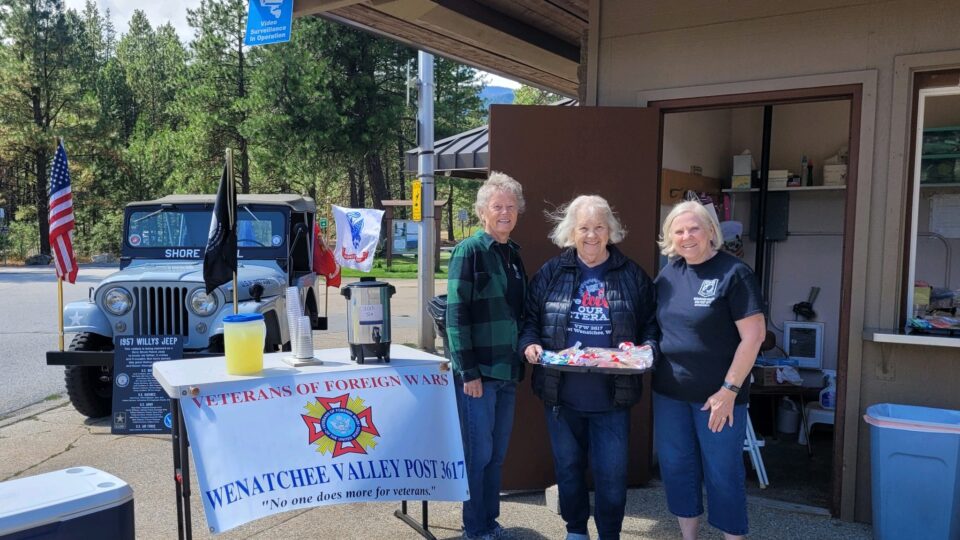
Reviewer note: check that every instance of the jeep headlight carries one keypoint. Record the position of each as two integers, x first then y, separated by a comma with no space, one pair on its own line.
117,301
203,304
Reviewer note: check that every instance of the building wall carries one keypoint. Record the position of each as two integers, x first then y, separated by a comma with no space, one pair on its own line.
698,138
694,43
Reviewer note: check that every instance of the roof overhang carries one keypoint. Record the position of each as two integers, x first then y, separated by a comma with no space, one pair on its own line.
464,155
534,41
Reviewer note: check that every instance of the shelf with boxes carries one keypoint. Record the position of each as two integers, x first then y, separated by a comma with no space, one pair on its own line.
797,188
940,155
939,185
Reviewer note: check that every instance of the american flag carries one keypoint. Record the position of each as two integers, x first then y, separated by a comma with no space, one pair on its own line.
61,217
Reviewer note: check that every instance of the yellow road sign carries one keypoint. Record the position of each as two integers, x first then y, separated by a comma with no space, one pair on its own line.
416,191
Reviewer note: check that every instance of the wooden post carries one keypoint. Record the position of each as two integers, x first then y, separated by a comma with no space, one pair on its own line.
389,215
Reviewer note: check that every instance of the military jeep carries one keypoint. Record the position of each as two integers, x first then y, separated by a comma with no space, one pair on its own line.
159,289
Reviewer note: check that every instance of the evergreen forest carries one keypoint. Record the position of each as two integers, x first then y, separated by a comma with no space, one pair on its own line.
144,114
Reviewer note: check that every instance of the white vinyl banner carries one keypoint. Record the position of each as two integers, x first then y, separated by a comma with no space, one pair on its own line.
265,446
358,231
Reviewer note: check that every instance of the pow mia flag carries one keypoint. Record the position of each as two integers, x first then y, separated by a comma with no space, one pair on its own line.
220,258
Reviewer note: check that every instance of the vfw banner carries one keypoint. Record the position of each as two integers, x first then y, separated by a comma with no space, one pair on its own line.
270,445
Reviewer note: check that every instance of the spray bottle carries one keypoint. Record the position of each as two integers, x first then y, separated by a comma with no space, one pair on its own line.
828,396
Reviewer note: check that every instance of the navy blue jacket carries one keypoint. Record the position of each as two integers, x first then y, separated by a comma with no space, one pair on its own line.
632,298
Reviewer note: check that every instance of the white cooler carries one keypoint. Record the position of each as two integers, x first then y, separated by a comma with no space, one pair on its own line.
76,503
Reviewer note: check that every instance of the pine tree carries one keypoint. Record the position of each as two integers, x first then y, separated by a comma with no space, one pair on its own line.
39,83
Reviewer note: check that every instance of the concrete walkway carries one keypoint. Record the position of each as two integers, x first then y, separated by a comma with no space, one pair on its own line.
52,436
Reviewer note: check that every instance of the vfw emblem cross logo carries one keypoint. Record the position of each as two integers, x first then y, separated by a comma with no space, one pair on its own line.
340,425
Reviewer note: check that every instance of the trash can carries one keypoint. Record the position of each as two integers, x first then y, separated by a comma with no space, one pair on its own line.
438,310
788,418
914,454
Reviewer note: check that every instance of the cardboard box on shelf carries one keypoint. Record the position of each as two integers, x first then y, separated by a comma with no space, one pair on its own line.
777,182
743,164
767,376
740,181
834,175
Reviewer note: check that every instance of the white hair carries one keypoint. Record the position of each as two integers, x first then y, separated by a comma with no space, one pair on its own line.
498,182
565,218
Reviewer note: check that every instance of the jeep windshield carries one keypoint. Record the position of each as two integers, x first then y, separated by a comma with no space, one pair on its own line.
182,230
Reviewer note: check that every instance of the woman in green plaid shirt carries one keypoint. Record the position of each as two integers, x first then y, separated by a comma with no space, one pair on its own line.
485,293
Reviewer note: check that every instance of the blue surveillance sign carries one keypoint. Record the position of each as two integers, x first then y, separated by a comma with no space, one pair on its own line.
268,21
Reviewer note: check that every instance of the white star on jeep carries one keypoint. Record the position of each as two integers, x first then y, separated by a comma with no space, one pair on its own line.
76,319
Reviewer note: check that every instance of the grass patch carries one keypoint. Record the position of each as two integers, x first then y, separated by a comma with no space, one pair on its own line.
53,397
402,267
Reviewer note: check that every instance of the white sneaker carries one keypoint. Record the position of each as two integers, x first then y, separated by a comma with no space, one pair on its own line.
577,536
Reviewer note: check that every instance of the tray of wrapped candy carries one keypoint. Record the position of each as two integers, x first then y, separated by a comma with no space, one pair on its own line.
627,358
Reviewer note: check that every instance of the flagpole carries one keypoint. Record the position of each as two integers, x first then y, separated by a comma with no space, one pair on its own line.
232,212
60,308
57,142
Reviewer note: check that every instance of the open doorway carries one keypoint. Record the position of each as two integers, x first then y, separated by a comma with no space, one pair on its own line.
804,253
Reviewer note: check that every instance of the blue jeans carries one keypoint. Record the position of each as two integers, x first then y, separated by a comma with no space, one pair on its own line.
600,439
691,455
485,423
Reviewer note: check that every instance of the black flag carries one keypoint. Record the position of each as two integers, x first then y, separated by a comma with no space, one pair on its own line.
220,259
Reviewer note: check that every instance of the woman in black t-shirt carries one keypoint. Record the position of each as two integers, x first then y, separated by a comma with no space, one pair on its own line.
710,313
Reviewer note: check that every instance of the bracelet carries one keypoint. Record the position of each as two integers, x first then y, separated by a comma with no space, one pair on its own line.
731,387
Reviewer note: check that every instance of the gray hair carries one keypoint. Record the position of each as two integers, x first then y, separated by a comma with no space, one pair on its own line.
498,181
565,218
700,212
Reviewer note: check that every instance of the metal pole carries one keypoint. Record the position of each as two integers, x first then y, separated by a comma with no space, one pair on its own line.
232,210
762,198
425,260
60,310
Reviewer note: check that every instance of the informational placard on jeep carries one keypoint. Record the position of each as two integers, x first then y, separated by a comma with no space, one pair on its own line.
139,403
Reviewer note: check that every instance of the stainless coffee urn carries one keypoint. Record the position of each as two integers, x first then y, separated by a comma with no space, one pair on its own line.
368,318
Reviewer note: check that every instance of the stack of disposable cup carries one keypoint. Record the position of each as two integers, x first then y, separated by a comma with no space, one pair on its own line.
293,313
303,346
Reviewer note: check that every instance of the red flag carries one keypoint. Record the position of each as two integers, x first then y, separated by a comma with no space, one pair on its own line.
60,217
323,261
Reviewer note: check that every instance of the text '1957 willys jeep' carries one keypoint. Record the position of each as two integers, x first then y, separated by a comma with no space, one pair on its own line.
159,289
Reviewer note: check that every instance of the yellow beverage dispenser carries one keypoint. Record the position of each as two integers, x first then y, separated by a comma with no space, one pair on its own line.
243,339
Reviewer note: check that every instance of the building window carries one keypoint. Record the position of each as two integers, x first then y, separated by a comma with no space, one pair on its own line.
933,286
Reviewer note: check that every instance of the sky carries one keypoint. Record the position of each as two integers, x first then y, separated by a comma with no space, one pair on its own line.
175,12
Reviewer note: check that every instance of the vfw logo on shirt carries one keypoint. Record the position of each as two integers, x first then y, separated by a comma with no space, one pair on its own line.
591,313
707,293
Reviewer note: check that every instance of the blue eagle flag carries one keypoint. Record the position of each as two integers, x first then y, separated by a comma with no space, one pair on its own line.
220,258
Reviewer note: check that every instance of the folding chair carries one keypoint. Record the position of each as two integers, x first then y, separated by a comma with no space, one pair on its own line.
752,446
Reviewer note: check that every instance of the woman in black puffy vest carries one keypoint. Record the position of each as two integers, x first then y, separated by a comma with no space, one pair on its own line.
593,294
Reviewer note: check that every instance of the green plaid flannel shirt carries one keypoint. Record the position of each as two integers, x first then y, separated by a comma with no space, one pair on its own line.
481,331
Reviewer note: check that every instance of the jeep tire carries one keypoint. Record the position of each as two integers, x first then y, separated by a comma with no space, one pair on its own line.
90,387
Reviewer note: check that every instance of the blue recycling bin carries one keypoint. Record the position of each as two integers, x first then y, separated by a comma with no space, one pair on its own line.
915,466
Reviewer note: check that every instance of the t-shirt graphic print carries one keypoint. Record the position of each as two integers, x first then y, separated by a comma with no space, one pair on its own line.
707,293
589,321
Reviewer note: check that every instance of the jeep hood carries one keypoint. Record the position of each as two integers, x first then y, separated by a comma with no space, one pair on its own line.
171,273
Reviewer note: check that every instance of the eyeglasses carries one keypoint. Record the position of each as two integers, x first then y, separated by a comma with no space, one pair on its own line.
497,208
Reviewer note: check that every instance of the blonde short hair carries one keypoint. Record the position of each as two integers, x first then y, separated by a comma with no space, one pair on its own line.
700,212
498,181
565,218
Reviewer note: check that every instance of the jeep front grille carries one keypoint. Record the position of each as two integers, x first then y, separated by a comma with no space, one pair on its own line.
160,311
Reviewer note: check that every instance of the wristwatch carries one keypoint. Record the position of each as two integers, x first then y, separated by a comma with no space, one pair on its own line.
731,387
